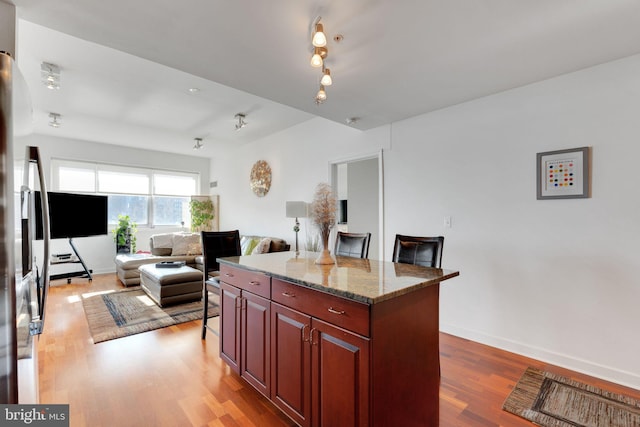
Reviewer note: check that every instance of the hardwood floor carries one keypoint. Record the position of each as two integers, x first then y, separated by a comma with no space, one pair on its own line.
170,377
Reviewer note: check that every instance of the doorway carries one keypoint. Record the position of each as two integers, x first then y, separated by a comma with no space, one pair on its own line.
358,185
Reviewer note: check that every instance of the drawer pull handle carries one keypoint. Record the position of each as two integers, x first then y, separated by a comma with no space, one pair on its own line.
228,274
288,295
254,283
332,310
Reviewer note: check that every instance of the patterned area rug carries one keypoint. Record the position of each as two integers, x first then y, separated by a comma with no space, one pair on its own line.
119,314
551,400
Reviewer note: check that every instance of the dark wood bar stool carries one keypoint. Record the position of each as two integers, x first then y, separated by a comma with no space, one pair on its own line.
215,244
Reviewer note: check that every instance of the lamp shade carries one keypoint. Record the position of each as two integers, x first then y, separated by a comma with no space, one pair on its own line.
296,209
319,38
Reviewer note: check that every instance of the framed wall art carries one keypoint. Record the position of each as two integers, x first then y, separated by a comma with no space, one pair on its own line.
564,174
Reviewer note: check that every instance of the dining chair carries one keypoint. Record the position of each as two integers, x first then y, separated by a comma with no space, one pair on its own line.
424,251
355,245
215,244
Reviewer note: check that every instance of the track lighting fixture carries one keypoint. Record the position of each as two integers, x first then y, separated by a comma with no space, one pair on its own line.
50,74
241,123
198,145
318,59
54,120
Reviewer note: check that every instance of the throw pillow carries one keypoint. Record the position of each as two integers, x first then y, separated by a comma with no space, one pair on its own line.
186,244
244,242
262,247
247,245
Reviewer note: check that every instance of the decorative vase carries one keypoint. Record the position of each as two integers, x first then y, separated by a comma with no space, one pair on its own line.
325,256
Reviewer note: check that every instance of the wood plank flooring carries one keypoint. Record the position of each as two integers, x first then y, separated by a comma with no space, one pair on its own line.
170,377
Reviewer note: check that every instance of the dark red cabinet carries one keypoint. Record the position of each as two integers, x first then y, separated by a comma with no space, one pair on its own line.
245,335
320,373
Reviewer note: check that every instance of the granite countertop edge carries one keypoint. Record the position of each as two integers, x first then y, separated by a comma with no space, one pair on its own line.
232,261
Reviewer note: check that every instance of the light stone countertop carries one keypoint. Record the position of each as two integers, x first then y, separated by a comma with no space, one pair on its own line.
362,280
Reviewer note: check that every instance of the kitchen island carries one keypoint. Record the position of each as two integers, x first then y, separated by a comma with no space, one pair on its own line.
349,344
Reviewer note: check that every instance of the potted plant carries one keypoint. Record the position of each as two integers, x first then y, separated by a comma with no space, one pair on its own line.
125,235
323,214
202,213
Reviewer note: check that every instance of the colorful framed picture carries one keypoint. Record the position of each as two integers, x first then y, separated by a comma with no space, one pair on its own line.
564,174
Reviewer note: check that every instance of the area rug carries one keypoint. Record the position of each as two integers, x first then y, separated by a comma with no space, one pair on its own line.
122,313
551,400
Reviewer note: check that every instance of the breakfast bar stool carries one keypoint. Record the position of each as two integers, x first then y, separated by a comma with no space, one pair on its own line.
424,251
215,244
354,245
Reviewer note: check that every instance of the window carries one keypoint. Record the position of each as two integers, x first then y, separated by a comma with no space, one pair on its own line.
150,197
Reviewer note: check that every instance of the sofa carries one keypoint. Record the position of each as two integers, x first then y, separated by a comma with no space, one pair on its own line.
187,248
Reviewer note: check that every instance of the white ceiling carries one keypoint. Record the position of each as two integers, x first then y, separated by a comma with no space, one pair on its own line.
126,66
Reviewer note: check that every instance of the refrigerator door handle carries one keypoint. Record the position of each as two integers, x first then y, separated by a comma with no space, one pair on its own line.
37,324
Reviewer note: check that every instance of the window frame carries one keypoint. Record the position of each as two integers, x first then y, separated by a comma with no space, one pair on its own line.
96,167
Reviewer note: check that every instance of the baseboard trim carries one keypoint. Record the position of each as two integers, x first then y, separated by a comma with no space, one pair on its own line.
607,373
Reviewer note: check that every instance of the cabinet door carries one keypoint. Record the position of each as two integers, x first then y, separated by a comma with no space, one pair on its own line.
230,325
340,376
256,322
291,363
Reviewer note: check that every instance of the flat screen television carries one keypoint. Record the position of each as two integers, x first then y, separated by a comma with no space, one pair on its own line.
342,212
73,215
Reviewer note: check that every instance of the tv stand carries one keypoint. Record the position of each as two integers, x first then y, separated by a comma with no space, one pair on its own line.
75,259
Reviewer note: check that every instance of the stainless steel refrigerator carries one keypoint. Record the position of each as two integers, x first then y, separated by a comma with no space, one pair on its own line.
23,283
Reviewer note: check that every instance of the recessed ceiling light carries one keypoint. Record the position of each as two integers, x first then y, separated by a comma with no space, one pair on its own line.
194,90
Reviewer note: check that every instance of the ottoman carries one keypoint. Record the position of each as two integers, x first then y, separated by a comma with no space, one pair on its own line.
171,285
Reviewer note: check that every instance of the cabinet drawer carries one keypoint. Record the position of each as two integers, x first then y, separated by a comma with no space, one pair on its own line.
257,283
338,311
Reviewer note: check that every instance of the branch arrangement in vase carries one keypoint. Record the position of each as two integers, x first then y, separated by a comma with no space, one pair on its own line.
323,215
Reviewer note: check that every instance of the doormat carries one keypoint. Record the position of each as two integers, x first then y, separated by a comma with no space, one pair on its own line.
128,312
551,400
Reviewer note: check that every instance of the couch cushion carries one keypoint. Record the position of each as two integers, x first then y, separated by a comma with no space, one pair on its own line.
262,247
161,244
133,261
278,245
248,243
161,251
186,244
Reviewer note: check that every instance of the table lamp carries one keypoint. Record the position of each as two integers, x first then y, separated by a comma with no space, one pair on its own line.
296,210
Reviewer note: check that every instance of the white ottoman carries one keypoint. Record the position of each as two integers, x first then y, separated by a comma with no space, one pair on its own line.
171,285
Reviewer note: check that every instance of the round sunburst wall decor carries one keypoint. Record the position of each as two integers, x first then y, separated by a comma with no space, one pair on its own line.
260,178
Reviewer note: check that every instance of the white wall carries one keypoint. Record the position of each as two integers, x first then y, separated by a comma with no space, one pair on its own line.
552,279
299,160
98,251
